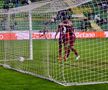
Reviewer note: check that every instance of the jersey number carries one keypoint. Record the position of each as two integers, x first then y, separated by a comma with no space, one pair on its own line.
64,29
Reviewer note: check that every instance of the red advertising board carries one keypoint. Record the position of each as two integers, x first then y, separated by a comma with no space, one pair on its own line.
8,36
90,34
21,35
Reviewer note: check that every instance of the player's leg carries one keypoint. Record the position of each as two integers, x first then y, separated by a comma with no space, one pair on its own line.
60,49
72,41
65,51
75,52
68,51
68,48
66,45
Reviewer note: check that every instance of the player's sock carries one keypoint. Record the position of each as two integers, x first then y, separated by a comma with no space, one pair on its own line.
68,52
60,53
75,52
65,58
77,57
59,58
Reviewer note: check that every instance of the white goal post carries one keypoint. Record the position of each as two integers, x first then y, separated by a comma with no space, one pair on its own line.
64,41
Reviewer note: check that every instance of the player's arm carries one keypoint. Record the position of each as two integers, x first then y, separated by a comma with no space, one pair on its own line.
56,33
58,30
68,24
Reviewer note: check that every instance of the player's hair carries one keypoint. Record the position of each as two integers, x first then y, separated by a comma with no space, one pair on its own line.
64,18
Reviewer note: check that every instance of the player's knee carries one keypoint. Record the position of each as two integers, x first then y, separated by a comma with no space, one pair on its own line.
71,46
60,42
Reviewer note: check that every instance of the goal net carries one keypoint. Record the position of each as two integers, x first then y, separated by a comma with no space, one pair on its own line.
64,41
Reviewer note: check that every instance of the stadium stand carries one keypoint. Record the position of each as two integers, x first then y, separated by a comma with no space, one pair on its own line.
1,4
95,25
101,24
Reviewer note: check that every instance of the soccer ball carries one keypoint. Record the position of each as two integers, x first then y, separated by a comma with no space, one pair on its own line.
21,59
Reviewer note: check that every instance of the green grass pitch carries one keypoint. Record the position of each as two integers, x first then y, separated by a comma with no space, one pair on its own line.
93,54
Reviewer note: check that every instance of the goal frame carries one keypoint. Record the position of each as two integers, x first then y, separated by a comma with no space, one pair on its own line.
49,77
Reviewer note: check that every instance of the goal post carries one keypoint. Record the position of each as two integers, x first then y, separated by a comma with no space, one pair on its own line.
17,46
30,35
64,41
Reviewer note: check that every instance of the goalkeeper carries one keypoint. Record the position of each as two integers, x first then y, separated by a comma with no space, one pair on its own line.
67,38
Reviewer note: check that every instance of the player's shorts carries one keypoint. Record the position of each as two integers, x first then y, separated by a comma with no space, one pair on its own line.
67,39
64,38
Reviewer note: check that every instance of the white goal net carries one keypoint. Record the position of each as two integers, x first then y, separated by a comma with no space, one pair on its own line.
64,41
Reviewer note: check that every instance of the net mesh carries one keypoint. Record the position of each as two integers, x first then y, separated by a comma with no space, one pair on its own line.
14,49
88,18
47,6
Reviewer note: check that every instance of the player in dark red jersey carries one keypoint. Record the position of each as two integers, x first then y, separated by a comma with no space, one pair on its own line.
67,38
71,39
62,38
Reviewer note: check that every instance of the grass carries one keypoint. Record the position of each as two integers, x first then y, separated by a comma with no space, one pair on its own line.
12,80
92,66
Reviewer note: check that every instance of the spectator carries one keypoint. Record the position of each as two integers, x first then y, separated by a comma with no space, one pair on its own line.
85,24
25,2
100,20
103,21
64,13
6,4
104,5
97,18
16,2
91,16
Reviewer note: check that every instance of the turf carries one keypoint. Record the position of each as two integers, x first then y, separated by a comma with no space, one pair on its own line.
91,67
11,80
